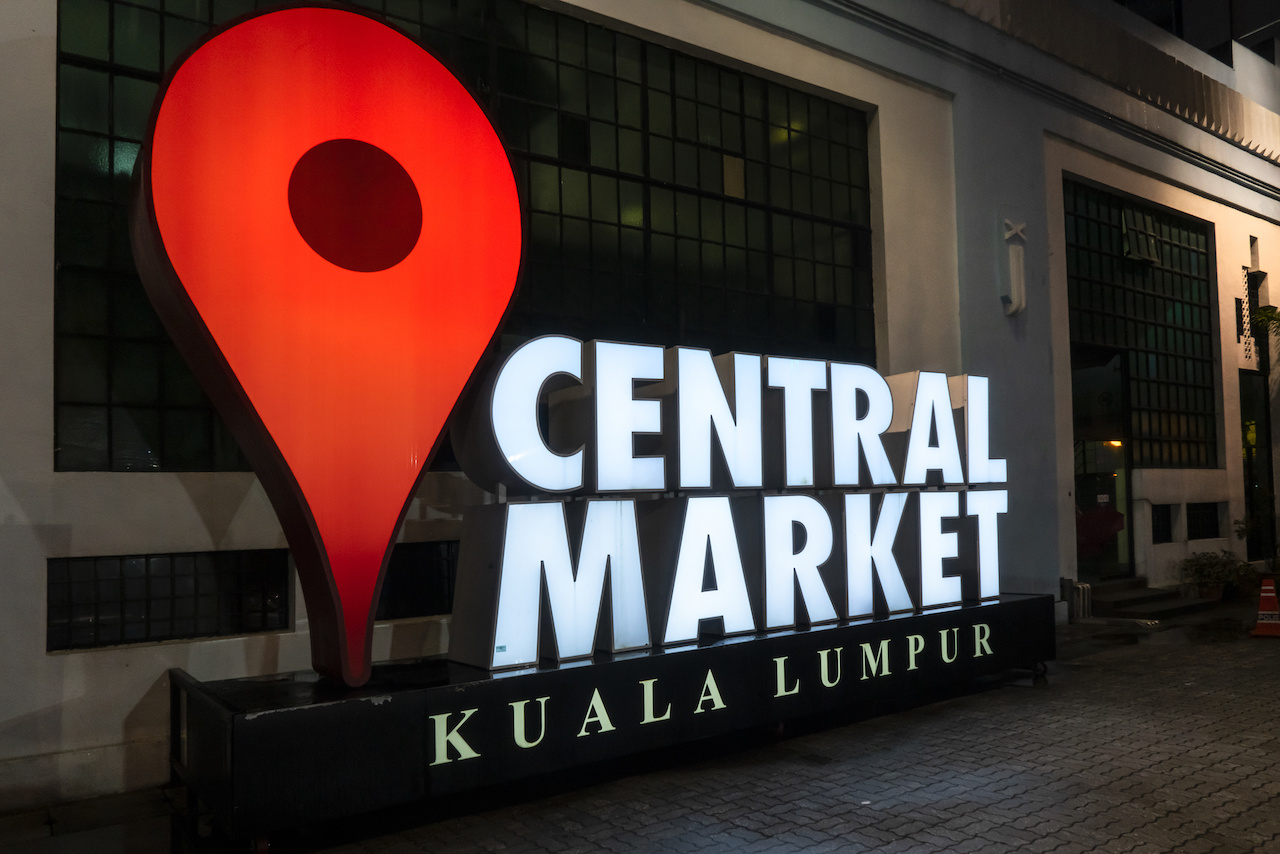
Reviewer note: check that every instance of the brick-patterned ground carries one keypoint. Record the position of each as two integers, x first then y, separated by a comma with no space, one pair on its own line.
1161,743
1164,745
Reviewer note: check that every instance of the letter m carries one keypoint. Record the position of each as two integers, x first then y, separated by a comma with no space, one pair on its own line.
536,545
875,660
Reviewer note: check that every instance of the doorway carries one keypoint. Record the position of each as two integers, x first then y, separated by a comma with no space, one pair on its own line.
1104,545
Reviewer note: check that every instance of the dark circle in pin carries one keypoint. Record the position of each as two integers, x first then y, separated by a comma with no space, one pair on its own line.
355,205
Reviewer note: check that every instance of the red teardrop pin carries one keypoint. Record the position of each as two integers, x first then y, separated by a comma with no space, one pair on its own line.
329,228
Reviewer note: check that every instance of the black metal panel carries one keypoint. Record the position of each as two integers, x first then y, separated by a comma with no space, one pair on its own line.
278,752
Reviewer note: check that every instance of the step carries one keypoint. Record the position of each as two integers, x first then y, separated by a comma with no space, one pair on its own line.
1110,603
1138,582
1163,609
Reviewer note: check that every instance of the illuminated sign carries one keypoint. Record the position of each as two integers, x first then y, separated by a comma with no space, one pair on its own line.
891,523
329,227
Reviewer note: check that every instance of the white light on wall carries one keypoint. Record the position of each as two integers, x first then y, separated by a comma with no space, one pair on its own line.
704,408
784,566
986,505
932,405
515,412
867,552
536,544
798,379
849,432
982,469
619,417
708,527
936,546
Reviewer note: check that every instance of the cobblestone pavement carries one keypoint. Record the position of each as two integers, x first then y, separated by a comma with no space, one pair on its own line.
1166,743
1141,742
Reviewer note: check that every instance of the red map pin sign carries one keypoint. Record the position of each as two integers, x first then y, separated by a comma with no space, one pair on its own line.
329,227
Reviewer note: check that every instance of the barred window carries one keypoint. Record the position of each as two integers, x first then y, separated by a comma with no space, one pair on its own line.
668,200
1203,521
104,601
1139,281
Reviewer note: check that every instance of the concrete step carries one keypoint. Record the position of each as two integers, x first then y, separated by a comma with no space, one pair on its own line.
1163,609
1113,584
1112,602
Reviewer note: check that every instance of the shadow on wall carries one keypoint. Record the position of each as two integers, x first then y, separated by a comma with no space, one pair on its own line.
145,736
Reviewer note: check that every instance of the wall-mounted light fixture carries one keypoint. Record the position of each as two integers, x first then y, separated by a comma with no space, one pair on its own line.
1015,239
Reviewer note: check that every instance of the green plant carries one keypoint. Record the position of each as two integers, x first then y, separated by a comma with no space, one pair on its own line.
1266,316
1220,567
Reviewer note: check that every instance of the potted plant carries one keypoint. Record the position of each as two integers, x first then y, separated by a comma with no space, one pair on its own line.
1212,572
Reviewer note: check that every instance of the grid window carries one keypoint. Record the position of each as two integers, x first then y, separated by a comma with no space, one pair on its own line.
1138,280
105,601
1202,521
668,200
419,580
1161,523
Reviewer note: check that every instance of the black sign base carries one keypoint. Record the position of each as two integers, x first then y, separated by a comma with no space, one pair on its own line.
276,752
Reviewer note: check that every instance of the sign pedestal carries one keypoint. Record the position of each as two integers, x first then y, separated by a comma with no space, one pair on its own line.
269,753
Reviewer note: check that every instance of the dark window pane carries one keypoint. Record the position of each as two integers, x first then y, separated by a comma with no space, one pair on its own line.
82,99
83,28
578,106
136,38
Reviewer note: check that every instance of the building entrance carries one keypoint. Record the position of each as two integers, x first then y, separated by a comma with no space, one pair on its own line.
1102,472
1141,299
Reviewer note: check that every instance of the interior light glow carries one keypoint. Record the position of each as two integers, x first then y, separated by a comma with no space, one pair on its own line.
335,357
784,567
619,416
536,545
932,406
977,413
937,589
986,505
708,527
866,552
798,379
703,408
849,432
515,412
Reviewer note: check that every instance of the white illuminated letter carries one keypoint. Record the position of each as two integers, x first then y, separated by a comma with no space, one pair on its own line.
935,546
518,728
596,714
649,716
798,379
710,694
915,646
619,416
986,505
536,543
708,522
447,737
932,405
783,566
780,664
703,408
849,432
977,409
514,412
865,552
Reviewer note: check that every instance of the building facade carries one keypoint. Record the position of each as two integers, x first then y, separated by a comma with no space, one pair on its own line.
1064,197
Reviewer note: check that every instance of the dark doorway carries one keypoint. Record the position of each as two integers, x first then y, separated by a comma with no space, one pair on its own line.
1104,546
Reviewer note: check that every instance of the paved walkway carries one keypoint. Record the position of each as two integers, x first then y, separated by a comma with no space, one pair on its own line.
1159,743
1141,742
